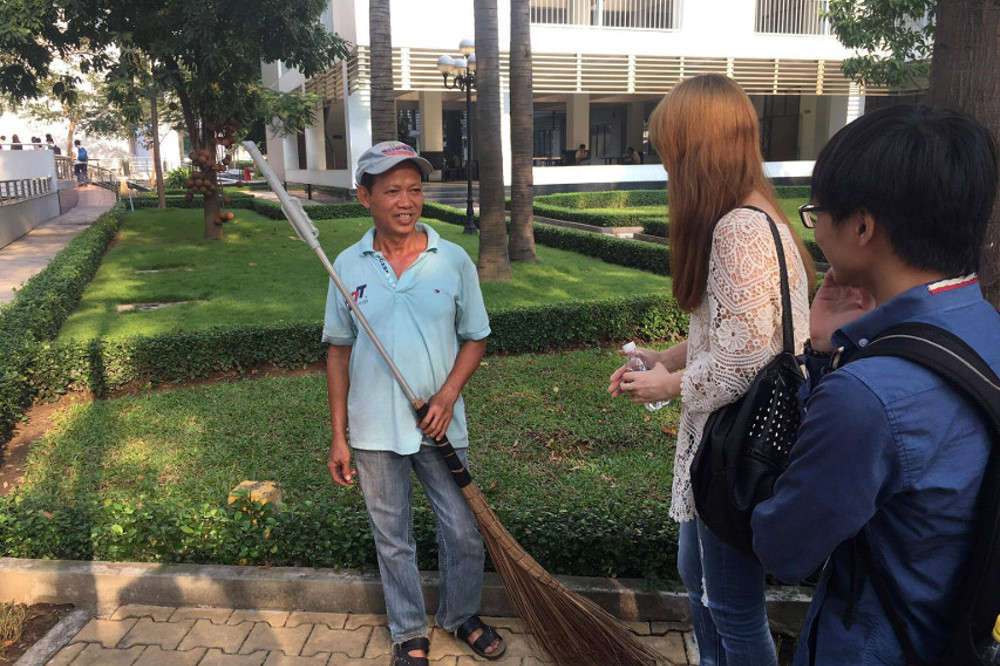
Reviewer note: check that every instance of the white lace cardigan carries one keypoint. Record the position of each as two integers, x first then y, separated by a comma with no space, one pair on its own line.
735,330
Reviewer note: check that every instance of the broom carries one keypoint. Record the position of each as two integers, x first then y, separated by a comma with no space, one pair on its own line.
570,628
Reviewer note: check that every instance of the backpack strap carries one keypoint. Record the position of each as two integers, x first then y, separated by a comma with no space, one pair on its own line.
952,358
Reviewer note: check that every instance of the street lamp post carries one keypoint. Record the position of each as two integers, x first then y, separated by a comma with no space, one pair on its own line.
462,71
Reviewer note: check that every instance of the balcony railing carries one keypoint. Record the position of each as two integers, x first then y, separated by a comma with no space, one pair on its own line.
12,191
791,17
634,14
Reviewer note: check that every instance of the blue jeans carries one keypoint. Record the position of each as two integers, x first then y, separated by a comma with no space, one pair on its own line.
388,491
726,590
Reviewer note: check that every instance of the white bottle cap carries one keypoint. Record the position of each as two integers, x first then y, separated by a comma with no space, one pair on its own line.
628,347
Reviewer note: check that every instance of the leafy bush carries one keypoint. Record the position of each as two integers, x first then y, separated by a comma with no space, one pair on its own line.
149,200
610,199
174,180
601,541
621,251
40,308
655,227
611,217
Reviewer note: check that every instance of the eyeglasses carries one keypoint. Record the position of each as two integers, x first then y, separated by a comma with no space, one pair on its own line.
809,213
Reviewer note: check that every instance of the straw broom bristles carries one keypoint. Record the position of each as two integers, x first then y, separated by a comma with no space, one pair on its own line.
571,629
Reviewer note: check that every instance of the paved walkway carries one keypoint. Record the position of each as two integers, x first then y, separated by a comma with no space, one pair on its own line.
168,636
32,252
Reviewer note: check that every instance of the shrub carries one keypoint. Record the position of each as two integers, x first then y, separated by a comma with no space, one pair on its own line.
621,251
174,180
655,227
149,200
611,217
40,308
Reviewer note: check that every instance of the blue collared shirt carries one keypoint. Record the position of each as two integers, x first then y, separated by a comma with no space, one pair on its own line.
889,446
421,319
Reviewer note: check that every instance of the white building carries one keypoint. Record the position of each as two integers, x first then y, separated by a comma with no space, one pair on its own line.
599,68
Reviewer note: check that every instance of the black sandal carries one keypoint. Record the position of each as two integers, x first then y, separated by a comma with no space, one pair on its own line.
401,656
489,635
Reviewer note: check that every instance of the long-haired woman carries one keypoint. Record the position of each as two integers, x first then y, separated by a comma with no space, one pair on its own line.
725,274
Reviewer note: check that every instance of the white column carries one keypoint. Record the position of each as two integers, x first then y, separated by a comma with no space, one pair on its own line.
505,129
809,143
316,141
577,121
633,125
855,103
359,126
838,115
431,121
291,153
276,152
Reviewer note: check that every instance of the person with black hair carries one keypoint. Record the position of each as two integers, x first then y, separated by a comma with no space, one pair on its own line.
900,202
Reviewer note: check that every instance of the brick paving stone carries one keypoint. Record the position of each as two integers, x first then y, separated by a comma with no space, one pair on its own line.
157,656
694,657
278,659
67,654
444,644
354,621
167,635
535,661
281,639
272,617
95,655
216,657
343,641
105,632
670,646
660,628
226,638
332,620
158,613
380,643
344,660
216,615
639,628
513,624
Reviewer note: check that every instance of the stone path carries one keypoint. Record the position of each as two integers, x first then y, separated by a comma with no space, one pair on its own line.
168,636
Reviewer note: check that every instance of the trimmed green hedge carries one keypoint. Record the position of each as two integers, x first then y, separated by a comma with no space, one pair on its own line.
100,366
594,541
610,217
610,199
149,200
40,308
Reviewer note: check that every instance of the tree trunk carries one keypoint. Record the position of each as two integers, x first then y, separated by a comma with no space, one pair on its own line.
965,75
494,265
154,120
521,243
383,96
213,200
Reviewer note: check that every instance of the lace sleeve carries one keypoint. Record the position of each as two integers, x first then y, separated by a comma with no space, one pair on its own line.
743,314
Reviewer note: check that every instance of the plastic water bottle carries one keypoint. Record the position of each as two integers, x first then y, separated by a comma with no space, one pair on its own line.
634,363
989,650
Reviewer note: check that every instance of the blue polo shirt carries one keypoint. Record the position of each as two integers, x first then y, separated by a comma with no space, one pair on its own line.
891,447
421,319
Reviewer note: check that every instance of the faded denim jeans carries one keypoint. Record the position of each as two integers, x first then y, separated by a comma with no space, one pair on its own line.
726,591
388,491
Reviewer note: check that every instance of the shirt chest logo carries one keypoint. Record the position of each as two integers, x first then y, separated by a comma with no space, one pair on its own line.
358,295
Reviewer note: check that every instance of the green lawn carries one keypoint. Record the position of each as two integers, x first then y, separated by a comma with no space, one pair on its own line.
262,273
544,433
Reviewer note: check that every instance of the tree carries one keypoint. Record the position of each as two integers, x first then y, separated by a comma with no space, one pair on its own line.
493,264
208,53
964,69
383,89
521,243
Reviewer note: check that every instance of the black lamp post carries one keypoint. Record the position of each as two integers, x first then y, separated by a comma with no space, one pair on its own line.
462,71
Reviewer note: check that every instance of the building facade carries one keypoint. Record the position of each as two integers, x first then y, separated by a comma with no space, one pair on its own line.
599,68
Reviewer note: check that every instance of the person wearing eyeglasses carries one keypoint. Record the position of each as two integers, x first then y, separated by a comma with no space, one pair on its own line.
900,203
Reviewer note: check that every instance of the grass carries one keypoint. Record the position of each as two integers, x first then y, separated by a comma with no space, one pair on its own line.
12,618
261,273
544,432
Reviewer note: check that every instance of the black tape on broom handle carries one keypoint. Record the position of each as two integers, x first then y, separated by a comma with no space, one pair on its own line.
306,230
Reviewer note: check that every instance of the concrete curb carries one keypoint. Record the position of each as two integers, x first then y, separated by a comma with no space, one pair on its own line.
105,586
57,637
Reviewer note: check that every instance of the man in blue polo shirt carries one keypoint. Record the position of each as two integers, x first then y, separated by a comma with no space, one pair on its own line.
900,203
421,296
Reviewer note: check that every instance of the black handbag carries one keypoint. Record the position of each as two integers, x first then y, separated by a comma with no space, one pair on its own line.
746,444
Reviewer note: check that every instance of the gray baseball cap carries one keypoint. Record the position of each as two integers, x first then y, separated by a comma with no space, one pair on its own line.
383,156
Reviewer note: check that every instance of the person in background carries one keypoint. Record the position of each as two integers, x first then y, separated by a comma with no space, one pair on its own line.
52,144
901,199
3,140
582,154
80,159
36,143
15,142
630,156
422,294
726,274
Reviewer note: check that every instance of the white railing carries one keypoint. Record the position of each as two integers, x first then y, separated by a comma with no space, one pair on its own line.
12,191
791,17
634,14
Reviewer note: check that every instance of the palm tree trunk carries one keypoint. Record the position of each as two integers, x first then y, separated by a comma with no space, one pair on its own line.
494,264
383,97
521,243
965,75
154,120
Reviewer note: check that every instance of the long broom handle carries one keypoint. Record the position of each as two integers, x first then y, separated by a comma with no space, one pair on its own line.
307,231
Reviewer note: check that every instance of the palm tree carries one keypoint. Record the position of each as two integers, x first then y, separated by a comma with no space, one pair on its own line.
521,243
494,264
380,72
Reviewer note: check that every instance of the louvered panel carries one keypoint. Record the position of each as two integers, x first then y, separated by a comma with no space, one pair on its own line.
329,84
605,74
358,68
554,72
695,66
656,74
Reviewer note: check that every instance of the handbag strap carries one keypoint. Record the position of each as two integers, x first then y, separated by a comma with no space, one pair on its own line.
787,331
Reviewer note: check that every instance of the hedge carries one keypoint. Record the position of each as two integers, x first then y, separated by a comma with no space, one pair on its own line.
149,200
625,198
604,541
100,366
39,309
